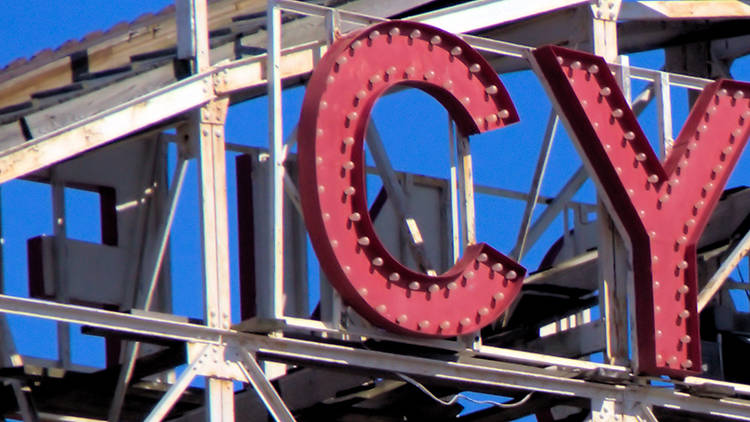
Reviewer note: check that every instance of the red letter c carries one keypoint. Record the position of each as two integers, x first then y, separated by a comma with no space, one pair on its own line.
340,95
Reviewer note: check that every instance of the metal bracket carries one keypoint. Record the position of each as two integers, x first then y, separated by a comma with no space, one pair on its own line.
604,410
220,82
214,361
607,10
612,409
212,117
215,112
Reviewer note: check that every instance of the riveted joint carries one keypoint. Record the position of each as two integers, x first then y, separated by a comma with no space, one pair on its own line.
219,80
216,360
215,112
333,25
606,10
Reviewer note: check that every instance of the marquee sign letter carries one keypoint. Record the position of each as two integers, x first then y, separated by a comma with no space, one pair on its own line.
340,95
662,208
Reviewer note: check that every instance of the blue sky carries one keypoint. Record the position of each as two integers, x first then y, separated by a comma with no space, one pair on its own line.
503,158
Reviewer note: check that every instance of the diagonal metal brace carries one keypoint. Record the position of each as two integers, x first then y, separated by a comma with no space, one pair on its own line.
247,364
398,197
169,399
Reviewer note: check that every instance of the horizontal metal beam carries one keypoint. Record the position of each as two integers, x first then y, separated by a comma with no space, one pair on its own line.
482,14
537,359
675,79
178,98
315,10
291,350
486,44
302,351
504,48
249,73
487,377
195,333
146,111
104,127
137,324
478,188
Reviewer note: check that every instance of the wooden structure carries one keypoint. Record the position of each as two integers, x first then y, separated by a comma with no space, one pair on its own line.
122,113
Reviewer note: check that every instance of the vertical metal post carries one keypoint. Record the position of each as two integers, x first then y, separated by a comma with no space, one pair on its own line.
613,256
215,230
623,77
468,221
215,243
275,147
331,304
466,189
333,29
192,41
8,354
664,113
604,28
275,285
455,222
613,292
59,225
205,130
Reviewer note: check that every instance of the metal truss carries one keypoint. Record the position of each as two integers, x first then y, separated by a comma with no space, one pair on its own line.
231,355
197,105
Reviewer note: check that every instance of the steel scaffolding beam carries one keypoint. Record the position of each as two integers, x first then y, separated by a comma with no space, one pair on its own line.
258,351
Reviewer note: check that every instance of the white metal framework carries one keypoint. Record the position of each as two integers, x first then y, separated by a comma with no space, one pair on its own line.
281,350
